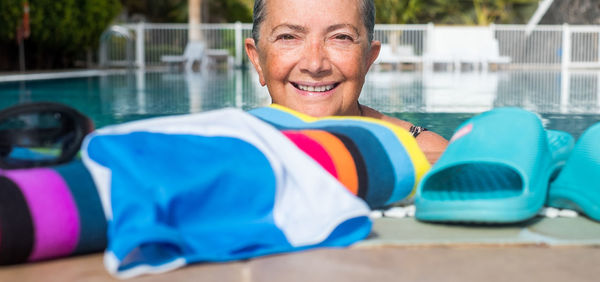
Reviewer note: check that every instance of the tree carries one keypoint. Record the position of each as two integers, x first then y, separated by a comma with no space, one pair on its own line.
10,16
464,12
399,11
500,11
60,30
157,10
170,11
229,10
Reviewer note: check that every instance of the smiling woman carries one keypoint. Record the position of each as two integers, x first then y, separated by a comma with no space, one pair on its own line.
313,56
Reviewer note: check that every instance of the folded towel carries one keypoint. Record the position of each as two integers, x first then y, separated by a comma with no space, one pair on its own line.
214,186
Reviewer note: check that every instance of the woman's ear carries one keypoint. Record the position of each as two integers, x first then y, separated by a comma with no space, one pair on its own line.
373,52
252,52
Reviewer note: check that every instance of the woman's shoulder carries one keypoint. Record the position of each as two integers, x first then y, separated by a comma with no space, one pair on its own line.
370,112
430,143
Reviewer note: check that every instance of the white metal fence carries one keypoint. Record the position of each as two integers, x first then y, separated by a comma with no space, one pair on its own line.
560,46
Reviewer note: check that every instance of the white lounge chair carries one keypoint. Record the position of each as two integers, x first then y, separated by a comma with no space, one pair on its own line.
493,54
214,56
194,51
454,46
402,54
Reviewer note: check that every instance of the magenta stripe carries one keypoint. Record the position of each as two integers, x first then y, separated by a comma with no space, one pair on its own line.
53,210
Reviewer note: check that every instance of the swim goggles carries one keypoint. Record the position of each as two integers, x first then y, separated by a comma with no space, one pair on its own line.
40,134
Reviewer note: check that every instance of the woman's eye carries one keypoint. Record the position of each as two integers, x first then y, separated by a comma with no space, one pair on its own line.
344,37
286,37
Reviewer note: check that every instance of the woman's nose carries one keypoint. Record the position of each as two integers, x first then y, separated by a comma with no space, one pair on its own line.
315,59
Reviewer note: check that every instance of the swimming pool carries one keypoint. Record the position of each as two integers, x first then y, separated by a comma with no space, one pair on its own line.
437,100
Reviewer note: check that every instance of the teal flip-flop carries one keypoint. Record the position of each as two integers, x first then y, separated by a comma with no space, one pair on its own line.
496,169
577,186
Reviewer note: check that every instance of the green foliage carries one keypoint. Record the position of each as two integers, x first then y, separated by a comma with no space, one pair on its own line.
229,11
499,11
59,28
171,11
10,14
54,23
464,12
176,11
95,16
400,11
65,24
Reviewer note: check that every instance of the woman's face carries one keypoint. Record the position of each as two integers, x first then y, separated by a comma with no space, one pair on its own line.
313,55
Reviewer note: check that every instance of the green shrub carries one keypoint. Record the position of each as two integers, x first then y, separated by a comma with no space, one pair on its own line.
59,29
10,14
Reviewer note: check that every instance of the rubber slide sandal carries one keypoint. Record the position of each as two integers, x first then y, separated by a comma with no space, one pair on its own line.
496,169
578,186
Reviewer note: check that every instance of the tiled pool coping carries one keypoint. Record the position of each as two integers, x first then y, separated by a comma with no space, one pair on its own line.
12,77
578,231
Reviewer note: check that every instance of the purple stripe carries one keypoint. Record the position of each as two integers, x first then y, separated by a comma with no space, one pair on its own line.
53,210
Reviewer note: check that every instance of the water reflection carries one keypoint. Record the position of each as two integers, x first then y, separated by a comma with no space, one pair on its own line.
472,92
179,93
567,100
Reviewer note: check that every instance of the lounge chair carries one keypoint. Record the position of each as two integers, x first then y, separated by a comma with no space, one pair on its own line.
402,54
454,46
215,56
194,51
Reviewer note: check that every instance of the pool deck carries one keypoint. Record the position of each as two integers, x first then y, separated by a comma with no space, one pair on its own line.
398,249
30,76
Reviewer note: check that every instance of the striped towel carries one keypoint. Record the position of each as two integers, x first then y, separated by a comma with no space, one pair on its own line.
376,160
48,213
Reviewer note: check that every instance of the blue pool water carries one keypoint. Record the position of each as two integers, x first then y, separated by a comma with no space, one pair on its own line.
437,100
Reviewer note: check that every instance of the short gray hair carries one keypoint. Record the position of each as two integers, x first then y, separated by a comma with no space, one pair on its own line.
367,10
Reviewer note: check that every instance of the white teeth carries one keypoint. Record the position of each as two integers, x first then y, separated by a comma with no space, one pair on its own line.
315,88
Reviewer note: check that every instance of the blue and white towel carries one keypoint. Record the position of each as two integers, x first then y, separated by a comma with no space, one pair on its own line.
214,186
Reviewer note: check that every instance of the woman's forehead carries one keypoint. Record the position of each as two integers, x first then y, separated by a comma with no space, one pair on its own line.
313,13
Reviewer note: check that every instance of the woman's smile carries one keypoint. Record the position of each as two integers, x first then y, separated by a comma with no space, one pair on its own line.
315,89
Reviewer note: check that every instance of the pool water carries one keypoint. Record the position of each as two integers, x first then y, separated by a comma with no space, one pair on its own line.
440,101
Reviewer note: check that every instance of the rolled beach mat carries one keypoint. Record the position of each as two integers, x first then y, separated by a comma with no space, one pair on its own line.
49,213
382,162
496,169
